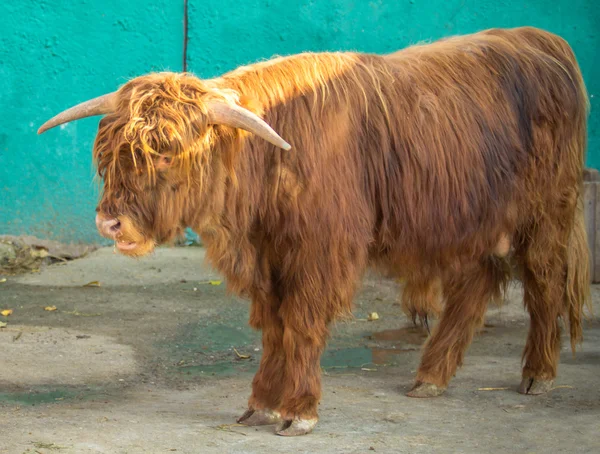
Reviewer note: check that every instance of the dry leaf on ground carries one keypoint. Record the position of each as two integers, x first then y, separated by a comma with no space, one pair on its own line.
50,308
92,284
239,355
212,282
6,312
373,316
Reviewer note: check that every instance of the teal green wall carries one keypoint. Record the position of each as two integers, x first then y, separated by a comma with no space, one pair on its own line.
54,53
226,33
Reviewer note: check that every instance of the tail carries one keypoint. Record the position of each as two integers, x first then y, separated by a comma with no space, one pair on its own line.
578,276
577,290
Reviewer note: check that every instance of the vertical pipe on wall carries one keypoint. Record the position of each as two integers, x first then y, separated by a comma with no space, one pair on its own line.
185,34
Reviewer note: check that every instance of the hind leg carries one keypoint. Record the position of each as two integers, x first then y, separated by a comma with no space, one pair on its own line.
556,284
466,302
544,289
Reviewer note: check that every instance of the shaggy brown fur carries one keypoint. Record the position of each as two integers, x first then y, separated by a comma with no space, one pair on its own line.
428,164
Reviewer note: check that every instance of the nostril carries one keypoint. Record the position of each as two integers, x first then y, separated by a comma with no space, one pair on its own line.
108,227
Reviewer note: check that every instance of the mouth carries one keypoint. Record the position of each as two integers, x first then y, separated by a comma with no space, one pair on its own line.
137,248
126,245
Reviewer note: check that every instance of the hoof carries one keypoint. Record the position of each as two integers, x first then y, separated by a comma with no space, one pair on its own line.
295,427
259,417
422,389
533,386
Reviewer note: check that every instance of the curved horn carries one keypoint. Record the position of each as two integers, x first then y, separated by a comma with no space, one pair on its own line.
98,106
221,113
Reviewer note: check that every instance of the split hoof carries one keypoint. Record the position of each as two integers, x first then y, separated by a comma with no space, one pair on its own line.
422,389
533,386
263,417
295,427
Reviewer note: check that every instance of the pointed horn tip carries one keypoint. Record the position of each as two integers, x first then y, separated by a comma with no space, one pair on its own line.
46,126
100,105
286,146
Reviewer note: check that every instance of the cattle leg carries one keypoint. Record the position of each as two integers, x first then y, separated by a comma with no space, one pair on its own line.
302,390
543,285
466,302
542,349
267,384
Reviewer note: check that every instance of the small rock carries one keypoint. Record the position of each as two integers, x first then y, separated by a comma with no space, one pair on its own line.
395,417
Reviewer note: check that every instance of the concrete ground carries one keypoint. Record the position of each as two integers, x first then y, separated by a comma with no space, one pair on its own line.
155,358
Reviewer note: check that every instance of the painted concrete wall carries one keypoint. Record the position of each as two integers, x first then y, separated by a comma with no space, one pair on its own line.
226,33
54,53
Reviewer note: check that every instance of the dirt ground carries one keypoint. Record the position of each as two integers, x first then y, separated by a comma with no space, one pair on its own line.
157,358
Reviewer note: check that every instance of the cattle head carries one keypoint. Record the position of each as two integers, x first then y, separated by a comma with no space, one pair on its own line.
154,150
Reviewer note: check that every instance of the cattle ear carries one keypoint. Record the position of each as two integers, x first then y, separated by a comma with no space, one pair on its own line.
163,163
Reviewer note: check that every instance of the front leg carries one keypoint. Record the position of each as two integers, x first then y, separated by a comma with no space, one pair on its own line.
302,385
312,290
267,385
287,387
